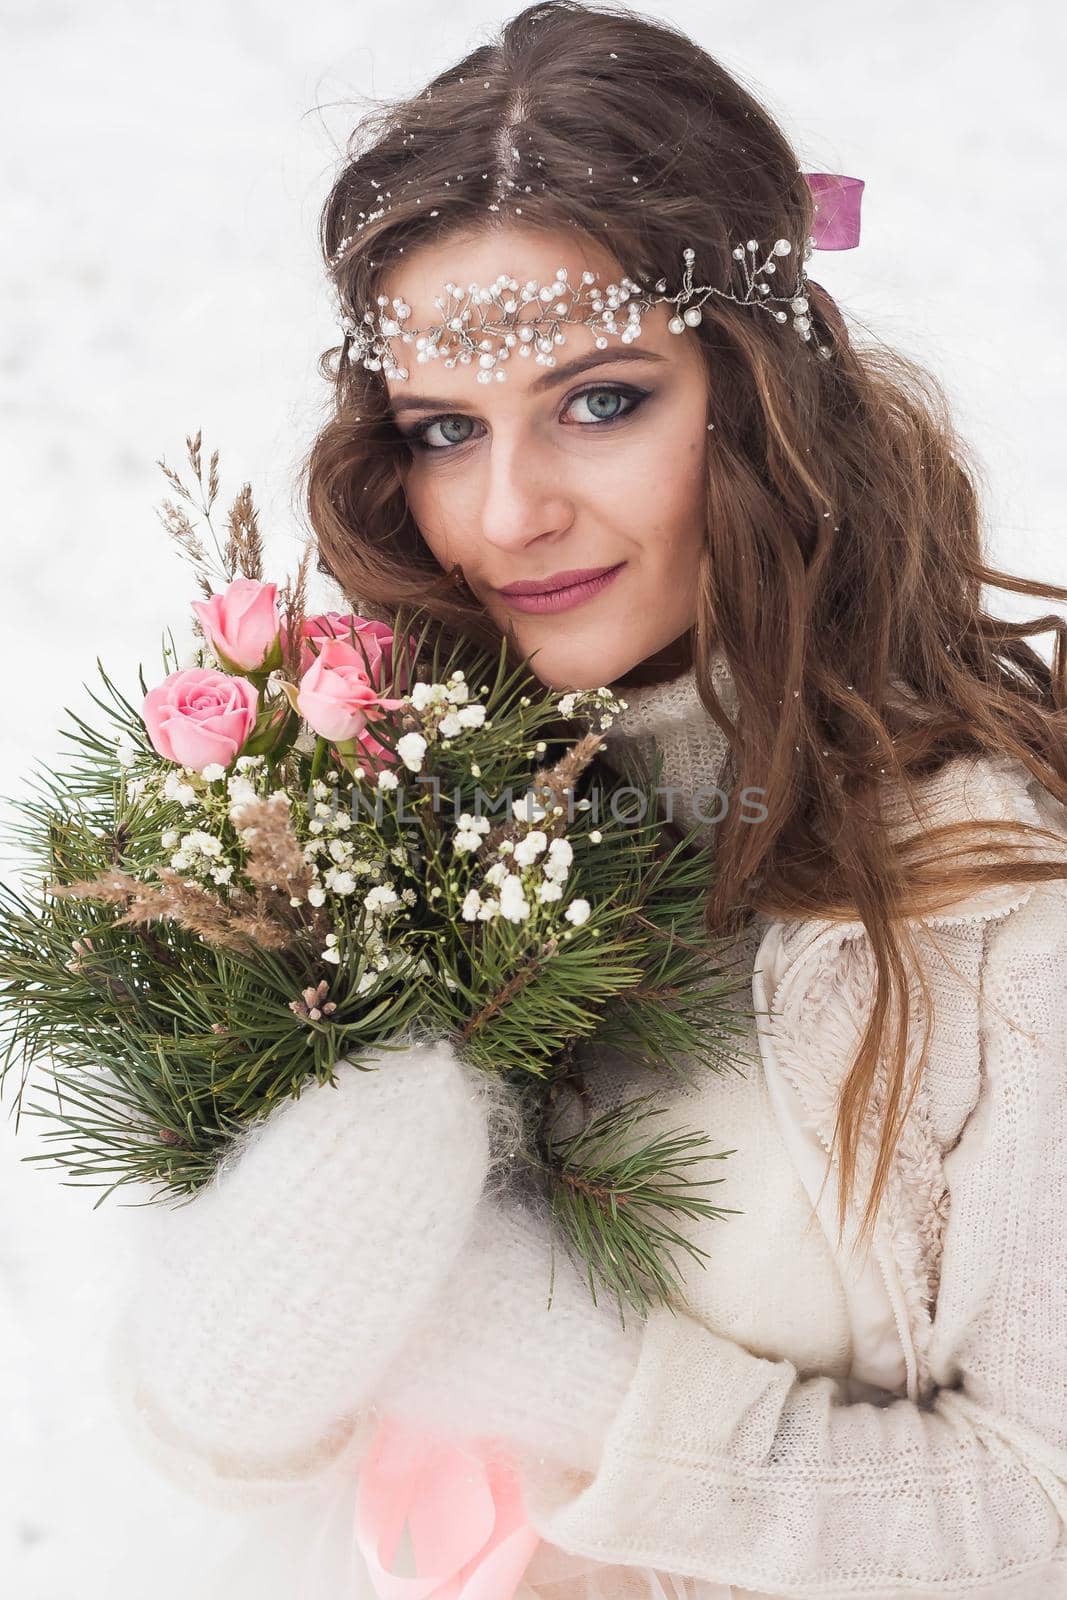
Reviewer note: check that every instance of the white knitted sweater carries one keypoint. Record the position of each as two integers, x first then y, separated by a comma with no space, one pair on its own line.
807,1422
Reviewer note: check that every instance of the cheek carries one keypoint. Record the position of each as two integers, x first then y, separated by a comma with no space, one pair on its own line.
665,481
440,515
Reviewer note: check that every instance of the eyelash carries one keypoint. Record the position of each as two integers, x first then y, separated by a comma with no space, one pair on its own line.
414,437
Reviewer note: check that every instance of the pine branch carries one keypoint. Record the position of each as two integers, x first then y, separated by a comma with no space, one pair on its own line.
613,1198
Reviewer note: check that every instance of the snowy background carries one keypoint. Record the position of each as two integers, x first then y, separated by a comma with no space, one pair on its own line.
163,167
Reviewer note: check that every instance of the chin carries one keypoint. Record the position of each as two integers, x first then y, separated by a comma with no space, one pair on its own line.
565,668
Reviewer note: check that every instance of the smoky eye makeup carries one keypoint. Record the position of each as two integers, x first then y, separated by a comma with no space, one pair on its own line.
633,396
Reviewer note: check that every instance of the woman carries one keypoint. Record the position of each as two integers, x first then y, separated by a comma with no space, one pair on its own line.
864,1388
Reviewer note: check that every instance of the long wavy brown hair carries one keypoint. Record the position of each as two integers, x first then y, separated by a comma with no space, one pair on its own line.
843,565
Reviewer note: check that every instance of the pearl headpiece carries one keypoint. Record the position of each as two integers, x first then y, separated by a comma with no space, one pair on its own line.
467,331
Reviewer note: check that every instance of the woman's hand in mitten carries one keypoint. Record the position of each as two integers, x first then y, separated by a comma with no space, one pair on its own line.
265,1309
514,1345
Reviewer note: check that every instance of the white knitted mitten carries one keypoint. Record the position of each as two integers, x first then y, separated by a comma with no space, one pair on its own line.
266,1308
491,1355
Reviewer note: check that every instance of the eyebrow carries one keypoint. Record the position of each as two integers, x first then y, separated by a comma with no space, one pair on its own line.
554,375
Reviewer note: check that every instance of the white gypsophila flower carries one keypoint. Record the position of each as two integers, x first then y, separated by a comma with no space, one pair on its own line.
527,850
560,850
244,762
340,882
548,889
490,909
472,902
411,748
240,791
578,912
464,840
595,836
316,895
496,873
169,838
125,751
340,849
409,897
174,789
206,843
180,861
331,955
528,808
214,772
427,694
513,903
458,693
222,874
471,716
317,826
476,770
367,981
383,898
567,703
471,823
388,780
322,809
449,726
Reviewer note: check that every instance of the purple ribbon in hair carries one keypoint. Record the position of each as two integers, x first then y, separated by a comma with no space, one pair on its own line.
837,210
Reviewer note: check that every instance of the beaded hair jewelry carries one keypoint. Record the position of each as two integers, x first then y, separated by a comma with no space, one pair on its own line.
466,333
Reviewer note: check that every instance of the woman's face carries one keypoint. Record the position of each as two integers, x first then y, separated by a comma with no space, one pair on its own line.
554,470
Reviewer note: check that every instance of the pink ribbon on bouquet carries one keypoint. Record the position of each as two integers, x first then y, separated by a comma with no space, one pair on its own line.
837,210
460,1503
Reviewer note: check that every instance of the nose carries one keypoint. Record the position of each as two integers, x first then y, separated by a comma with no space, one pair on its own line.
525,498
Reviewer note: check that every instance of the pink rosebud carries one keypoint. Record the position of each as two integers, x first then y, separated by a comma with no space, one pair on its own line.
201,716
335,696
375,637
242,625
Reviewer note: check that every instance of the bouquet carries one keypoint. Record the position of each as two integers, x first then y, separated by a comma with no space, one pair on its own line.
317,834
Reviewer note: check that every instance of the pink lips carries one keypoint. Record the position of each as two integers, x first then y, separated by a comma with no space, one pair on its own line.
567,589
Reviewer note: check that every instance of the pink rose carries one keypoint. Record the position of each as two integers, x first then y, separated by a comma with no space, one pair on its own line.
375,637
242,625
336,696
201,716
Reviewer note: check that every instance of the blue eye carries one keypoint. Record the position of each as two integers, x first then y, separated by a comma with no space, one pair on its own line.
418,439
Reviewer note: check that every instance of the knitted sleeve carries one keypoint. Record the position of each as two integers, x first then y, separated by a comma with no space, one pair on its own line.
726,1466
263,1310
